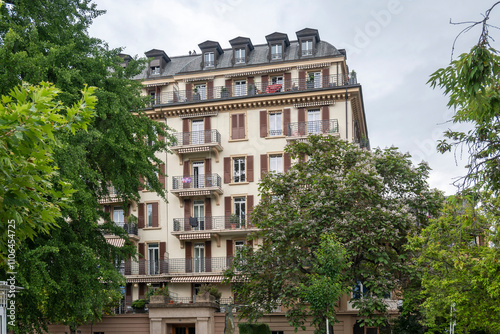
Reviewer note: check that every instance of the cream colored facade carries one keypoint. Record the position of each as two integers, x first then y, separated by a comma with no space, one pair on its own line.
233,111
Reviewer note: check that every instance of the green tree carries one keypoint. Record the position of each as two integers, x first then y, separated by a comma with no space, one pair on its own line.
69,276
30,120
458,265
472,83
370,201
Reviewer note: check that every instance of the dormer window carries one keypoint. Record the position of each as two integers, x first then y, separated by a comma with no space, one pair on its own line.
209,59
155,70
239,55
307,48
276,51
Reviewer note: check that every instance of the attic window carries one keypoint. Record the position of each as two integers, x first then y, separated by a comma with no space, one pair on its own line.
155,70
307,48
209,59
276,51
239,55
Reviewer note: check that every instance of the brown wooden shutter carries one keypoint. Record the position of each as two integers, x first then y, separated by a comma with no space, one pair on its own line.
263,123
250,81
302,80
140,220
265,80
325,116
326,77
208,256
189,91
155,214
208,214
187,214
227,170
229,248
250,243
249,204
141,182
189,257
141,290
227,211
208,130
210,90
161,176
128,294
163,265
286,121
263,165
234,125
186,168
241,124
229,86
287,161
288,81
250,168
208,166
302,120
185,132
142,260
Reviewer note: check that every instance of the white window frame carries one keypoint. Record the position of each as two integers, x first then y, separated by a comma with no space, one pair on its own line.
276,51
276,163
153,258
209,58
199,257
240,88
118,216
275,123
239,55
149,214
155,70
307,47
238,171
240,202
202,90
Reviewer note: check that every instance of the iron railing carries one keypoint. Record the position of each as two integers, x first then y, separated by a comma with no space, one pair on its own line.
248,89
129,228
196,181
211,223
315,127
177,265
197,137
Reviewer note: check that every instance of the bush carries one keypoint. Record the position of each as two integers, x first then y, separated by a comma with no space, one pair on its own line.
163,291
211,289
254,328
139,304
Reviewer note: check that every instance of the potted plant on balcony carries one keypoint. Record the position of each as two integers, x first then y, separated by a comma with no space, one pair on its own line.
234,221
139,305
160,296
252,89
208,293
310,82
224,93
196,95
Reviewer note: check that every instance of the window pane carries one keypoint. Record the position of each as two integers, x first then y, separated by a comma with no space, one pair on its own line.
150,214
275,124
239,170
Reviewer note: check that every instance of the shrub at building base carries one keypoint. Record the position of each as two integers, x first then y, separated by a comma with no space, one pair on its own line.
254,329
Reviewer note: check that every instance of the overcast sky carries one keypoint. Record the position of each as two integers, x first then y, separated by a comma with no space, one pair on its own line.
393,45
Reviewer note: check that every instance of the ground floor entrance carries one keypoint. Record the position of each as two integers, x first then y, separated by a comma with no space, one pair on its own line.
184,329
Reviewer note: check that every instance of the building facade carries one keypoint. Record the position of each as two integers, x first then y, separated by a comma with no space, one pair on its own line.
232,111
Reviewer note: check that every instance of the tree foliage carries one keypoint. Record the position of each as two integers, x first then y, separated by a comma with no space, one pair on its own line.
63,273
472,83
459,266
370,201
30,120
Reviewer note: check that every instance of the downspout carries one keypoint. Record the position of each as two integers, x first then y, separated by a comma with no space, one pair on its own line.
346,118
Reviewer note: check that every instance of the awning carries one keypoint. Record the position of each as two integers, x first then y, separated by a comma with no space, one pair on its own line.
197,279
150,279
195,236
117,242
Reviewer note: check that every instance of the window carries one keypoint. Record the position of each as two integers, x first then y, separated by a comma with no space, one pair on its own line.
199,258
153,259
276,51
239,55
276,332
276,163
307,48
278,80
275,124
209,59
239,211
316,79
118,217
198,174
200,92
197,132
360,291
149,215
240,88
238,126
238,246
152,94
313,121
239,171
199,214
155,70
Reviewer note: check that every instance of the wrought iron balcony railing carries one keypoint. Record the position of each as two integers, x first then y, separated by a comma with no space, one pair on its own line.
196,181
130,229
250,89
211,223
299,129
197,137
177,265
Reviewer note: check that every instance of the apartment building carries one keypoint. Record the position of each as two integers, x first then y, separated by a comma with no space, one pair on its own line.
232,110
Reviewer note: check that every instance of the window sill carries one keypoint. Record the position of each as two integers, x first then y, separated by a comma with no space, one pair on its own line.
238,183
152,228
236,140
274,137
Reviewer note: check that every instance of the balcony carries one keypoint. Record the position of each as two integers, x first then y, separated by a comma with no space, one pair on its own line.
255,89
130,229
208,185
218,223
177,266
303,129
197,141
